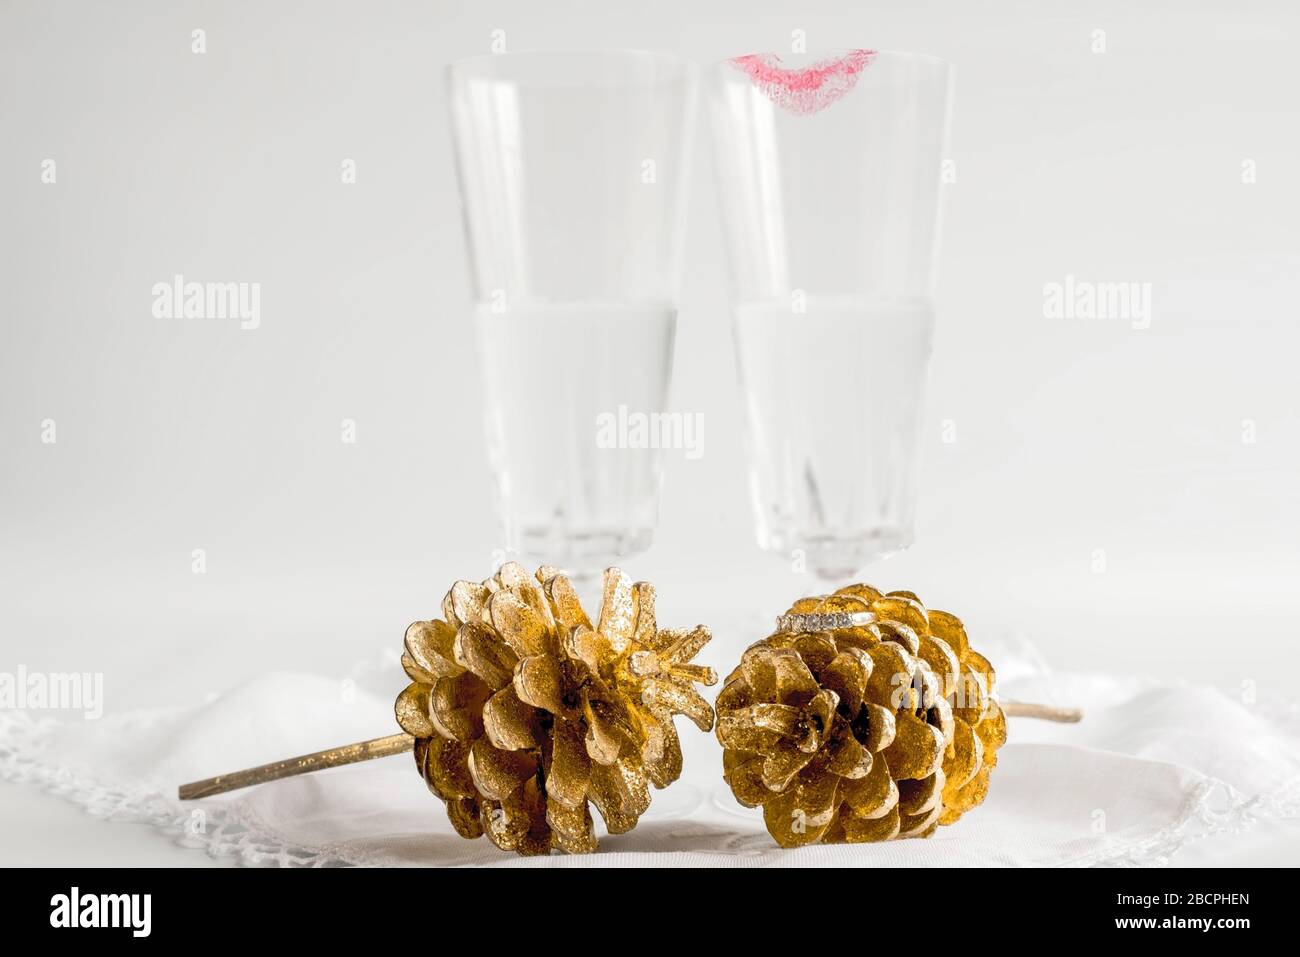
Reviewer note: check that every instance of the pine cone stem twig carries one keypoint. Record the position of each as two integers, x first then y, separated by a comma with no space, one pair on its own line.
303,764
1044,712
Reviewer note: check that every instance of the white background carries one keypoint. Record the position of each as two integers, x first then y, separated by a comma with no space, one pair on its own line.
1072,436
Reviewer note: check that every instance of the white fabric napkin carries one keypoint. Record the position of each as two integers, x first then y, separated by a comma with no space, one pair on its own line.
1152,766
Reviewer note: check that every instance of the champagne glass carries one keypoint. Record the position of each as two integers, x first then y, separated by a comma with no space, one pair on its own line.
829,171
572,170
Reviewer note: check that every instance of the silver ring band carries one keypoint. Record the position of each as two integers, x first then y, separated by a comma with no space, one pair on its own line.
823,621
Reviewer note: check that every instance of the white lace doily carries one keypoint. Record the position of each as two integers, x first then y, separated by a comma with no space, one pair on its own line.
1151,767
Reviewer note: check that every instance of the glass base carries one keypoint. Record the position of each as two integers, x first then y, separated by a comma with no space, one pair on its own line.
838,558
582,555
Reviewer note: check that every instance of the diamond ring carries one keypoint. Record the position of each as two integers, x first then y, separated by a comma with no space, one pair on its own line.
823,621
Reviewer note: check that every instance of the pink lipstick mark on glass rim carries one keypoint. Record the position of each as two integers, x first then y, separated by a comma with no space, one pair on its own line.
806,91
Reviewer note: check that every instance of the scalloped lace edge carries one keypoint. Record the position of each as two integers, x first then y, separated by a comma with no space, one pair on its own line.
220,830
233,831
1202,815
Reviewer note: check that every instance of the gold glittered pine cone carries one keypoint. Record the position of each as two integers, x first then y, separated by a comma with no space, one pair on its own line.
867,733
523,712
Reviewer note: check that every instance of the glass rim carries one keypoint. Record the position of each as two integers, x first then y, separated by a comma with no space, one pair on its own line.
628,54
820,56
